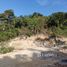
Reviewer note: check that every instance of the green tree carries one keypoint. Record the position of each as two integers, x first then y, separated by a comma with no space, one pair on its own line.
9,14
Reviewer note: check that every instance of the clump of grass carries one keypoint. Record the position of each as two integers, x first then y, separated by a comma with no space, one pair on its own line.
4,50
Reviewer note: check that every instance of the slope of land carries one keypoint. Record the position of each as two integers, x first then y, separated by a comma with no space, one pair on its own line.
28,54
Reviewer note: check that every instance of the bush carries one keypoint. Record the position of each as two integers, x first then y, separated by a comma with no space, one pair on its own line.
59,31
29,34
6,35
4,50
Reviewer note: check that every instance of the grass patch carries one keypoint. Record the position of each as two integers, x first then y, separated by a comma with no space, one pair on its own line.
4,50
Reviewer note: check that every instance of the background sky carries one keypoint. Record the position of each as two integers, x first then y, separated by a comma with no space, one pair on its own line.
26,7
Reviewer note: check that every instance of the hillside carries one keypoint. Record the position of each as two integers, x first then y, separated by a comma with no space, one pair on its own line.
12,26
28,54
34,40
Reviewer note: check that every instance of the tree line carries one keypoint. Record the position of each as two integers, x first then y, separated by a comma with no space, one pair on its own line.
12,26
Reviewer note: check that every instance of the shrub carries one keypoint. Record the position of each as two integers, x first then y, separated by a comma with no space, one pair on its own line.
4,50
6,35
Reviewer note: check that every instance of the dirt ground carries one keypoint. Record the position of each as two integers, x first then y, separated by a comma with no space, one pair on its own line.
27,54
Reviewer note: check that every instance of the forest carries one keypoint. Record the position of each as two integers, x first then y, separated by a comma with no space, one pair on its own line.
12,26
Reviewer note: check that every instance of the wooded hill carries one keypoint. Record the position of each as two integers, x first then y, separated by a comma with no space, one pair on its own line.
12,26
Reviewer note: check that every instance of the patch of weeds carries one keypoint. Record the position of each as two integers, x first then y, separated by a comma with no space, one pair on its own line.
4,50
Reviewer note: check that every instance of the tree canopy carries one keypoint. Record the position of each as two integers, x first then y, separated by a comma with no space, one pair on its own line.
12,26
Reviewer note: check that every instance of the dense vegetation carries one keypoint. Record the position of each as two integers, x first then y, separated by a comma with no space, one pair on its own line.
12,26
4,50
